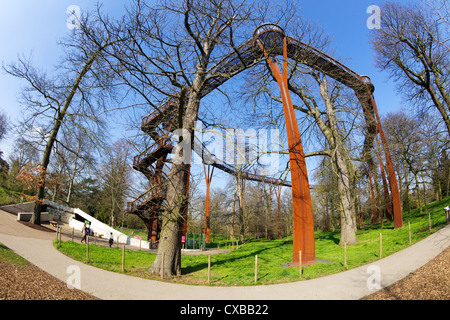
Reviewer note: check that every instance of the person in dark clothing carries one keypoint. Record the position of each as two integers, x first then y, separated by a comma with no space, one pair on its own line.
84,233
111,239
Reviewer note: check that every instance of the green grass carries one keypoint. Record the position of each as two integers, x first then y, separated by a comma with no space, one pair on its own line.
8,256
236,268
8,197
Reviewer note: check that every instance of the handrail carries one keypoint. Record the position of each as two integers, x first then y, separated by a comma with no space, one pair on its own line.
152,193
209,158
161,143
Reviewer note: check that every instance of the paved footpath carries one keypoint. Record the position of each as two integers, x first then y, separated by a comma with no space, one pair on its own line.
37,247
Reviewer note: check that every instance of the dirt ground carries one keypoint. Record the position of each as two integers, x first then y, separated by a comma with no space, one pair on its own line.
430,282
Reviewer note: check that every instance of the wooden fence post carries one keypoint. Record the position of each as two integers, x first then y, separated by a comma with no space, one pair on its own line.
300,263
60,232
87,248
429,221
209,269
162,266
409,228
123,258
381,245
345,254
256,268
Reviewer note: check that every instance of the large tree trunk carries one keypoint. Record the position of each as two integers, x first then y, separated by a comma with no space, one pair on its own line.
176,199
348,215
172,223
240,193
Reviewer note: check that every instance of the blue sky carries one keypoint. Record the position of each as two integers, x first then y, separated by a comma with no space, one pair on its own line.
33,27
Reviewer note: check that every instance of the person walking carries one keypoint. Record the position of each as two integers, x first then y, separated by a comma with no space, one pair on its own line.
84,233
111,239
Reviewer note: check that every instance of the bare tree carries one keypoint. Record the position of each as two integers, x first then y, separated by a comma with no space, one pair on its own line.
116,179
76,154
165,51
440,10
75,94
412,46
407,149
3,124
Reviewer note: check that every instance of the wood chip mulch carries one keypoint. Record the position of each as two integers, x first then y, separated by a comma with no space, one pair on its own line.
28,282
430,282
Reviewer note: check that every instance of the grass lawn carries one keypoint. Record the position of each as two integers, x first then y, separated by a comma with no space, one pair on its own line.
7,255
8,197
237,268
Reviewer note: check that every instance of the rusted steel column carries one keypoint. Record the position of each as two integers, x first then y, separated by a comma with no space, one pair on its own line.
396,202
154,229
303,225
387,198
208,178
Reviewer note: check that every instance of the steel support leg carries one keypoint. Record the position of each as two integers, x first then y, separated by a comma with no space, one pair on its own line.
303,225
396,202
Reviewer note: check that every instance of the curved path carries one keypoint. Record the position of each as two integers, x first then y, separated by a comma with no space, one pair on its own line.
37,247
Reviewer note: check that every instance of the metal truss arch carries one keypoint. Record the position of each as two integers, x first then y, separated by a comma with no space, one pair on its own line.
270,40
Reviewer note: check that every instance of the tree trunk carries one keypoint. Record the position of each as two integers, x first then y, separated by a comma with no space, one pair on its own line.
233,213
240,194
172,223
176,200
36,217
72,176
348,218
418,191
278,195
348,214
372,194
